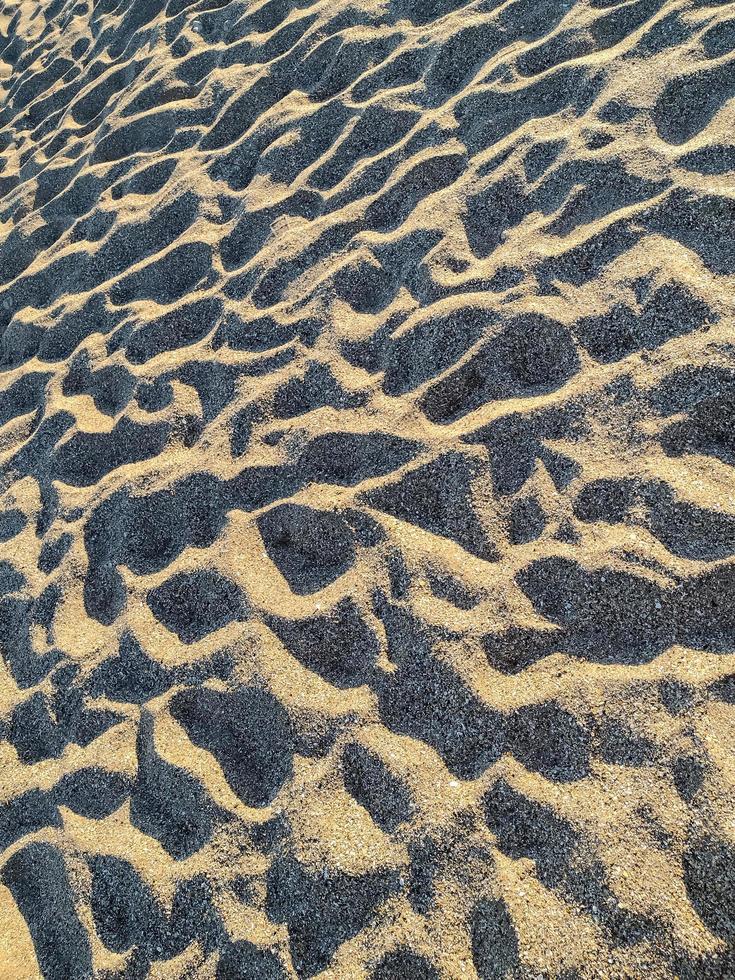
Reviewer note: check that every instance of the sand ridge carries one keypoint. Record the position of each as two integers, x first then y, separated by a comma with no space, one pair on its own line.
366,512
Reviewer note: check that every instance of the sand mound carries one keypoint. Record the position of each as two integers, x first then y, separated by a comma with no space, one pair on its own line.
367,524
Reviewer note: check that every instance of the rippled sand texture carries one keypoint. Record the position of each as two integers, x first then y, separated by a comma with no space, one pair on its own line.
367,590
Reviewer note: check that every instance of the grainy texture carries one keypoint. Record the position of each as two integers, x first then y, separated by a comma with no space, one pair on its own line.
367,523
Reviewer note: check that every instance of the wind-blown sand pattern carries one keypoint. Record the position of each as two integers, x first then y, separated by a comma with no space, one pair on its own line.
367,593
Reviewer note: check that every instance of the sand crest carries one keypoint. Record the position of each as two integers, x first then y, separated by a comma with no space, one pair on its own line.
367,522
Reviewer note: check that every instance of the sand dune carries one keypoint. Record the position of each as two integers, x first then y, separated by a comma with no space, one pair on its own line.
367,523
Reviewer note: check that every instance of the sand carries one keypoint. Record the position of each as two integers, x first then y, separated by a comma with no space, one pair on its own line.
367,522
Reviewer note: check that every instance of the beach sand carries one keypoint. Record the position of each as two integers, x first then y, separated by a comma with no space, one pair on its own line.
367,515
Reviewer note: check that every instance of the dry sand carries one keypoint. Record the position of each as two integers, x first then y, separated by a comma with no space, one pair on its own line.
367,515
